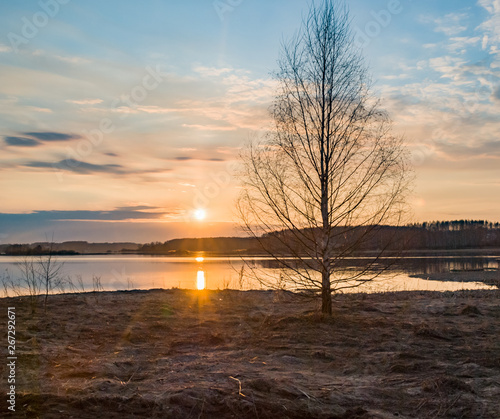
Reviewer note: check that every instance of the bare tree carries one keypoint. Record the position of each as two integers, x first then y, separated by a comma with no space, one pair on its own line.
29,283
49,271
330,173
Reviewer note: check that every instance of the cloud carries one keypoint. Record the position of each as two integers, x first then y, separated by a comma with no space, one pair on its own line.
137,208
451,24
21,142
186,158
496,94
5,48
461,151
118,214
452,118
484,43
65,58
76,166
86,101
34,227
72,59
447,65
209,127
84,168
37,138
52,136
212,71
491,6
395,77
461,43
38,109
57,219
142,109
491,26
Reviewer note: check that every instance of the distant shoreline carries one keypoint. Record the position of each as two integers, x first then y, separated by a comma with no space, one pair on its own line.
495,251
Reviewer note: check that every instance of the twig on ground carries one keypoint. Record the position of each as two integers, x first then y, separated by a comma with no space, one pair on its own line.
239,383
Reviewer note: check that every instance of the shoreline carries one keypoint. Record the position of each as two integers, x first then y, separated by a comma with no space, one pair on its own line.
487,252
476,293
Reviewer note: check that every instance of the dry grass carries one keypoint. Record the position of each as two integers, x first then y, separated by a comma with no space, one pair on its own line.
186,354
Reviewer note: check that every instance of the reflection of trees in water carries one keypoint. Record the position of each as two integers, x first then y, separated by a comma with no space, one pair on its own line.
340,264
443,265
430,265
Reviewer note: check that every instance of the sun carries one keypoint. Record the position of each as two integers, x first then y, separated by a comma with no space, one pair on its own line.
200,214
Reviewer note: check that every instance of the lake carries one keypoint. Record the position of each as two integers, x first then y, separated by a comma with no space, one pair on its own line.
125,272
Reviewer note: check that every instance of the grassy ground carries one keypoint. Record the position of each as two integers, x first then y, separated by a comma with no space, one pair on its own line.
257,354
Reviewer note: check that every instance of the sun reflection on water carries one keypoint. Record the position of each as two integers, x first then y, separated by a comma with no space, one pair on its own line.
200,280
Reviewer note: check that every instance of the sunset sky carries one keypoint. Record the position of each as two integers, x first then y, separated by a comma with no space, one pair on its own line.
120,119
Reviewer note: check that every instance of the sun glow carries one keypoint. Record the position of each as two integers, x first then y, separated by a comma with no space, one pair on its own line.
200,280
200,214
200,259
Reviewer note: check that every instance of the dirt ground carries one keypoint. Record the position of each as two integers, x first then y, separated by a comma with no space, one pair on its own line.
256,354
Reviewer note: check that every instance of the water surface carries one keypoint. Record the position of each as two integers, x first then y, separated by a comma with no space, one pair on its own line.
122,272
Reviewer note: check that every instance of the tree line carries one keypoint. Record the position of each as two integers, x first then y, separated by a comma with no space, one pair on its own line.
460,234
436,235
35,250
457,225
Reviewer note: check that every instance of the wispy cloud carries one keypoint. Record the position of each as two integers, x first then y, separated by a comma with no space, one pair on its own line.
491,26
212,71
84,168
77,166
462,151
496,94
5,48
66,58
39,109
462,44
21,142
395,76
118,214
448,66
451,24
52,136
153,109
188,158
450,110
38,138
209,127
85,101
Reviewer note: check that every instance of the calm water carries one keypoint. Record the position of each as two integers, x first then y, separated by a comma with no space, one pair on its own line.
124,272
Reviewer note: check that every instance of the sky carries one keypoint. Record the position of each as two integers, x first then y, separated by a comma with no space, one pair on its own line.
119,120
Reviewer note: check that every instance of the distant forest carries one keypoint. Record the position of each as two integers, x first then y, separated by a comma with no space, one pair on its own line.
436,235
461,234
67,248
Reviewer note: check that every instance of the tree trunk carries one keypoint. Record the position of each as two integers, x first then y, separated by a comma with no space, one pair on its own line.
326,294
